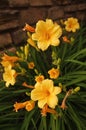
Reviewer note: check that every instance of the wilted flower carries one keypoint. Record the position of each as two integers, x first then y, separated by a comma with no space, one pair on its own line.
10,58
65,39
18,106
26,85
46,110
28,105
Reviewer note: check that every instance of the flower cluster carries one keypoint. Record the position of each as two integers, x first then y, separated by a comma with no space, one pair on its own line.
36,66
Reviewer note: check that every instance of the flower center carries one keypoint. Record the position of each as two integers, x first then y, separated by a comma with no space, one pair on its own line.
71,24
46,36
47,93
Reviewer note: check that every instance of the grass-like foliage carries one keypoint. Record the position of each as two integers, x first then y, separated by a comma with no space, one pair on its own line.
43,84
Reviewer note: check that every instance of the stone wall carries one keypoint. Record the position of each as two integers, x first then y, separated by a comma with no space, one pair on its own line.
15,13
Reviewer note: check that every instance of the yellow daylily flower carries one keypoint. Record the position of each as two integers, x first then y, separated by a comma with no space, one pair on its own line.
8,61
39,78
9,76
31,65
54,73
45,93
47,33
7,64
72,24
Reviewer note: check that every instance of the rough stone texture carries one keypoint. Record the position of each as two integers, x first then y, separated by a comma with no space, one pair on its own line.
4,4
55,12
19,36
81,16
75,7
82,6
40,2
66,2
9,25
32,15
61,2
70,8
5,40
68,15
8,16
18,3
15,13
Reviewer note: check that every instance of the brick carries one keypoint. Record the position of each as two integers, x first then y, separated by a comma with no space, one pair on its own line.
8,15
18,3
81,16
9,25
32,15
55,13
81,6
19,37
70,8
61,2
68,15
78,1
75,7
4,3
40,2
66,2
5,40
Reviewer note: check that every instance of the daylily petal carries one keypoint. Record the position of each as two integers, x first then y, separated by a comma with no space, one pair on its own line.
42,102
48,85
43,45
52,101
55,42
37,85
36,94
57,90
